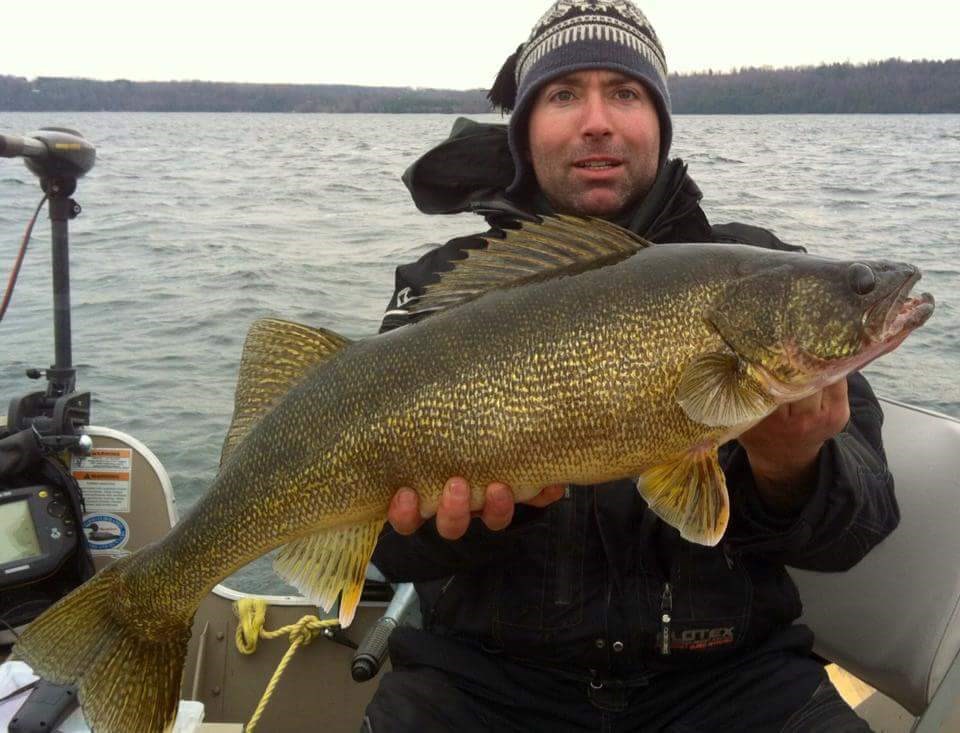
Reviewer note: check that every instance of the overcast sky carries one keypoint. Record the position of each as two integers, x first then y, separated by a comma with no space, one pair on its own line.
455,44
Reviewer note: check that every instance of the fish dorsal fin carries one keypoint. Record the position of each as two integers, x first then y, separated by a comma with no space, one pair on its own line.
717,390
276,356
553,247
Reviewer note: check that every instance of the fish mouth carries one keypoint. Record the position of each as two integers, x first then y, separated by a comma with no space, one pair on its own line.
891,319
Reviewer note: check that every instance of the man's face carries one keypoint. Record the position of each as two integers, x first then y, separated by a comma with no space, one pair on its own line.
594,142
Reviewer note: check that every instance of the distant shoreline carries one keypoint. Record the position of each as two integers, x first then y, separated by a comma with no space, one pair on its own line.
883,87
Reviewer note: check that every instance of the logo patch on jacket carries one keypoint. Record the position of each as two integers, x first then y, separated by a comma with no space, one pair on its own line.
404,297
698,639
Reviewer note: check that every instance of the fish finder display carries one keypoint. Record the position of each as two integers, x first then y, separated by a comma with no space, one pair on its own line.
18,535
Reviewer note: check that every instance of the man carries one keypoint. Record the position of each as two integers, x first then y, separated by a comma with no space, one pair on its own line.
581,610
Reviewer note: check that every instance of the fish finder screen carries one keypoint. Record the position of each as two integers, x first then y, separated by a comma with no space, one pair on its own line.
18,535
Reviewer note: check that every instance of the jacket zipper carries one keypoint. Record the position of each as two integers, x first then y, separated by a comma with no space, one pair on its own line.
567,516
666,609
440,595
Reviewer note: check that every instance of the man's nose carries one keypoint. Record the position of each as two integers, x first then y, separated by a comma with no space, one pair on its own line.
596,117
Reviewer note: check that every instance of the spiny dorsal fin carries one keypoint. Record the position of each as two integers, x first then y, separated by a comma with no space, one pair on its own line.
554,247
276,355
717,390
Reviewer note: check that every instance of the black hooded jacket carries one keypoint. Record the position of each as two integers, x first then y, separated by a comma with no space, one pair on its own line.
596,585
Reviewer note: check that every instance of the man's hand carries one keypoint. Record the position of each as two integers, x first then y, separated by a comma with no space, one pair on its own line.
453,512
783,448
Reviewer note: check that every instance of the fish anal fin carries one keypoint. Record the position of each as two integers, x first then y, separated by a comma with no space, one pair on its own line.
555,246
690,493
330,564
277,354
718,390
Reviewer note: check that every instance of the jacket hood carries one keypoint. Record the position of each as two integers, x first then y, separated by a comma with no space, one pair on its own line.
471,167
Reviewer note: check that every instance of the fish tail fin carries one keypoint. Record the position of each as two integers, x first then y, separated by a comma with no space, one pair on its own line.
690,493
127,676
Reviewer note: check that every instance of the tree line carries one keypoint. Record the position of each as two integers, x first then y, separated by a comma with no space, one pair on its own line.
878,87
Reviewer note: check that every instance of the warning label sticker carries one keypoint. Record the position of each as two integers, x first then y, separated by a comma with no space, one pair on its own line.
104,476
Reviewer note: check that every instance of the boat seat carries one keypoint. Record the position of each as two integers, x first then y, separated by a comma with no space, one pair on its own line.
894,619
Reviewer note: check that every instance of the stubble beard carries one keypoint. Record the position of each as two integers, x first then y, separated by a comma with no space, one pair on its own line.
611,204
608,201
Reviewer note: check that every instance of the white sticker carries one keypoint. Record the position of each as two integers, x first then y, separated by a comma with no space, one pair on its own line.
106,533
104,477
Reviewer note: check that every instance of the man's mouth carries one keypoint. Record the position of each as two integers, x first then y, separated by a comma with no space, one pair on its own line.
597,163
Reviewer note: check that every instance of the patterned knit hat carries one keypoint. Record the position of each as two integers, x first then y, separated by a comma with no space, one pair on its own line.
573,36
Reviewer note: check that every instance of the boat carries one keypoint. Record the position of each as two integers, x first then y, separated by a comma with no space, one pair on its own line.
889,628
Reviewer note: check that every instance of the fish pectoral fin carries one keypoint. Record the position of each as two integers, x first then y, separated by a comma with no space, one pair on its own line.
331,563
717,390
556,246
689,493
276,356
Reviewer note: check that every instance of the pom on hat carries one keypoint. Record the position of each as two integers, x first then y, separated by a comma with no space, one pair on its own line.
503,93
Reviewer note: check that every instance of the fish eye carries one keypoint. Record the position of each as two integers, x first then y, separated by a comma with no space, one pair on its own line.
862,279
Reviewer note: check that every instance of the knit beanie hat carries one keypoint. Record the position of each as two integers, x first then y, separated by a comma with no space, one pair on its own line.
574,36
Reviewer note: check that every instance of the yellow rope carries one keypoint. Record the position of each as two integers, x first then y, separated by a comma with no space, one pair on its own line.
251,613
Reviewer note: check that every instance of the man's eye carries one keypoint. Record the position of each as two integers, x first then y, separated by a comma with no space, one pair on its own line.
562,95
626,93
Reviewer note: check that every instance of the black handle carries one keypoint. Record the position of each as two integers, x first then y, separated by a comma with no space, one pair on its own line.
372,651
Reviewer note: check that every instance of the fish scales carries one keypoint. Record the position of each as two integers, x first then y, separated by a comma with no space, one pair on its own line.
562,381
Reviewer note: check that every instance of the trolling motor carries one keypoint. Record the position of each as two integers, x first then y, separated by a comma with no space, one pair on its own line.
58,157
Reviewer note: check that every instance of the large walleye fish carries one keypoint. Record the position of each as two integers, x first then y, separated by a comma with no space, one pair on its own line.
569,351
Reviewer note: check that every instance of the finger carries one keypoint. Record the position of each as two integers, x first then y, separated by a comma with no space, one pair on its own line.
453,514
404,512
497,507
548,495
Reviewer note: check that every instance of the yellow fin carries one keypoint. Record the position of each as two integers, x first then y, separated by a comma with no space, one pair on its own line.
690,493
276,355
553,247
717,390
127,670
331,563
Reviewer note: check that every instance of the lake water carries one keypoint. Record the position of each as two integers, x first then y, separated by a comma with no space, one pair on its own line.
194,225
